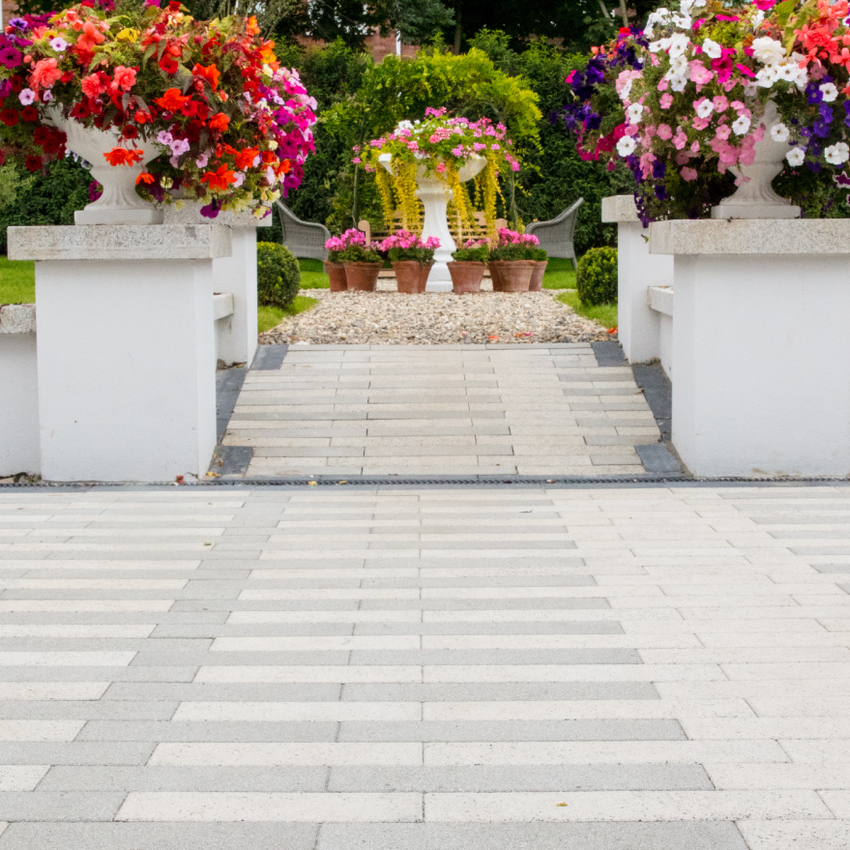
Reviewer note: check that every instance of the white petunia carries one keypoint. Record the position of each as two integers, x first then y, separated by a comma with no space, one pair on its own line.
626,146
768,50
779,133
683,22
679,43
741,125
712,49
837,154
829,92
796,156
678,84
705,108
659,16
658,46
756,17
626,90
767,76
634,112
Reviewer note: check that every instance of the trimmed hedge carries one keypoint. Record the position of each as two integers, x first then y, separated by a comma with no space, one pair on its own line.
596,279
278,275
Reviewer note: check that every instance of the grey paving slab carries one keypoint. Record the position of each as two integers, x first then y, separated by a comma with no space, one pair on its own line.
159,836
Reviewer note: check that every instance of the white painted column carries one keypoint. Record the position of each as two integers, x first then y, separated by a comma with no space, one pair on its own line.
760,345
236,274
637,270
126,343
19,444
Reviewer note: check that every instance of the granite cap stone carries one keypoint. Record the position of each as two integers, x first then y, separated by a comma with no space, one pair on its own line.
619,208
750,236
660,299
17,318
120,242
190,213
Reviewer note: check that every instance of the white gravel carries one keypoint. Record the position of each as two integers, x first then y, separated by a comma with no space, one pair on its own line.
433,318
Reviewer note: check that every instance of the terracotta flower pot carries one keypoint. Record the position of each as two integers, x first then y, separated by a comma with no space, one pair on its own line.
495,267
336,273
536,284
466,275
411,276
362,277
516,275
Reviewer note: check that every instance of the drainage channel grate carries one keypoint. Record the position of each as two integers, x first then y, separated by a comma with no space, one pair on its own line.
440,481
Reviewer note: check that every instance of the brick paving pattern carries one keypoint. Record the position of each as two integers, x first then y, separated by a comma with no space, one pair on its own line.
462,409
422,669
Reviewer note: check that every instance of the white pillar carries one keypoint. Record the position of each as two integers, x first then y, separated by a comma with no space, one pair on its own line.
236,274
435,196
760,345
126,343
638,325
19,445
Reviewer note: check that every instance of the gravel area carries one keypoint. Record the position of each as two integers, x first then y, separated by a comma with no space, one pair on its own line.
434,318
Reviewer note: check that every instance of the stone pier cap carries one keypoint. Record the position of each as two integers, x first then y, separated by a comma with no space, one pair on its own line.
120,242
619,208
750,236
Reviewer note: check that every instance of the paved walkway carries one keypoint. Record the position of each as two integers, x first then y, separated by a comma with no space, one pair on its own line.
459,410
421,669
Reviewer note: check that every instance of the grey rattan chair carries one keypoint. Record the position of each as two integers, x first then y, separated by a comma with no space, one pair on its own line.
556,236
304,238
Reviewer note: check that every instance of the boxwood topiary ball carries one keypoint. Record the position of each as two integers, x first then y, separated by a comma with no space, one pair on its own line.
596,278
278,275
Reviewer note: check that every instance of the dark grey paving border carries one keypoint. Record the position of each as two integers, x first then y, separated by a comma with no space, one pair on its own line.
657,459
228,383
269,357
231,460
609,352
658,392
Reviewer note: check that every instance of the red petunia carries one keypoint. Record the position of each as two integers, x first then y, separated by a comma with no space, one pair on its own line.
29,113
32,163
219,122
41,136
130,132
9,117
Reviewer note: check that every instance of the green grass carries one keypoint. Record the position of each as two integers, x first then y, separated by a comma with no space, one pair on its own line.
270,317
560,274
17,281
605,314
313,275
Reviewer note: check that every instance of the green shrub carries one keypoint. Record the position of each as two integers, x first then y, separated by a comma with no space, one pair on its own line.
278,275
596,279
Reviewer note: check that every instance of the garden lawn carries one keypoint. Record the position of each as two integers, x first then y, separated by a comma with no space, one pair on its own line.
560,274
605,314
313,275
17,281
270,317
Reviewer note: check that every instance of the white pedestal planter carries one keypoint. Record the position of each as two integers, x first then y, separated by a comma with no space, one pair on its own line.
756,198
435,197
119,203
760,345
126,345
236,274
19,444
637,270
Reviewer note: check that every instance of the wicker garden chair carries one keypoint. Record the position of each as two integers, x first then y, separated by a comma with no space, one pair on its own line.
556,236
304,238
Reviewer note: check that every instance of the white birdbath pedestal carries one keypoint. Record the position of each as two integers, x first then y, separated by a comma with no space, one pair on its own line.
435,196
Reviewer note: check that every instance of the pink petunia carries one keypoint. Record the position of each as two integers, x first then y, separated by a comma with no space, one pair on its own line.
689,174
666,100
664,132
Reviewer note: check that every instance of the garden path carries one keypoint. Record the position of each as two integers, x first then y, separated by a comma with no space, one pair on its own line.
437,410
311,668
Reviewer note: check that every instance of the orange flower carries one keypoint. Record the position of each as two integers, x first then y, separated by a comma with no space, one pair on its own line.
219,179
125,79
219,122
119,156
144,177
172,100
245,158
284,167
211,74
91,37
45,74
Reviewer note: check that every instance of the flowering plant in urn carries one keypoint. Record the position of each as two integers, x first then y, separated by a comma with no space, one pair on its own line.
699,89
449,149
203,107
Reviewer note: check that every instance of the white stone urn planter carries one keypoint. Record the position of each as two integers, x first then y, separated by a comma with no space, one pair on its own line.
756,198
119,203
435,196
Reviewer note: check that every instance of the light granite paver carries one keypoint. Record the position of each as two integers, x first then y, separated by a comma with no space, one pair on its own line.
436,410
323,668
